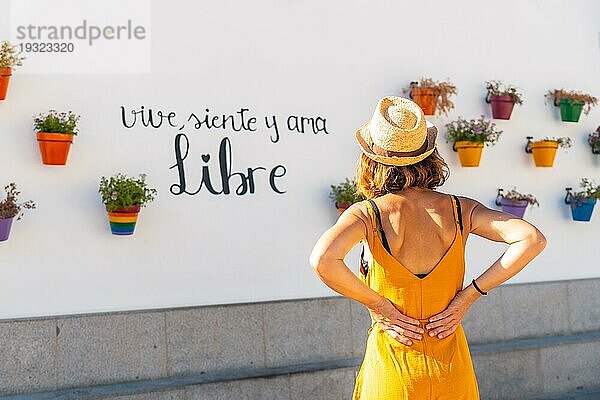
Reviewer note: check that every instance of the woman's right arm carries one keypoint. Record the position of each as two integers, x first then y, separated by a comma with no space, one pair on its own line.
525,243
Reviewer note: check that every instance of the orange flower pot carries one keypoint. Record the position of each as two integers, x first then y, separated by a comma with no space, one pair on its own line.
543,153
469,153
5,74
54,147
426,99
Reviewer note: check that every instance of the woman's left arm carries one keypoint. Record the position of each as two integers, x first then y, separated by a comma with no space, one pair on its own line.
327,258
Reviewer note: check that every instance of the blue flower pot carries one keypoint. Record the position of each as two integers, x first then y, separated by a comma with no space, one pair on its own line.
582,209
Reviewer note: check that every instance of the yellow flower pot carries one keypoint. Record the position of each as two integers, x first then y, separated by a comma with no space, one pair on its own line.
543,153
469,153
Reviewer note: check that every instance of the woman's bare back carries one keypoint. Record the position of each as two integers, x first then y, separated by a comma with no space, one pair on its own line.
419,225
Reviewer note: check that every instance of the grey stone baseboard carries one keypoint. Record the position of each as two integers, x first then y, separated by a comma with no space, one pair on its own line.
498,367
79,351
577,394
523,368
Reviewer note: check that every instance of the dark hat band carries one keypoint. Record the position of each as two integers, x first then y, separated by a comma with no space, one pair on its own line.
387,153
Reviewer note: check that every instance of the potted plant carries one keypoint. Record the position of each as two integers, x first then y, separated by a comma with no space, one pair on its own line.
544,150
594,141
344,195
469,137
9,59
55,133
514,202
502,98
11,208
432,96
123,198
582,203
571,103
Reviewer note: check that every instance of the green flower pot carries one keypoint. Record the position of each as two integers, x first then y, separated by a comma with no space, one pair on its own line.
570,111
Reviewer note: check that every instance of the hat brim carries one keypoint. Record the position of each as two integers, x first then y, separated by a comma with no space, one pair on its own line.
363,137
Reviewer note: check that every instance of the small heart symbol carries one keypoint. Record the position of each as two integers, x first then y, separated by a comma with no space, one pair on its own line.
205,157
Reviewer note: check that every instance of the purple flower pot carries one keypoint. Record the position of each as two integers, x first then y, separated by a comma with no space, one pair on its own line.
514,207
5,225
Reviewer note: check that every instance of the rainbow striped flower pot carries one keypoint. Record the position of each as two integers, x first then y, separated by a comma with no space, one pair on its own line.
122,220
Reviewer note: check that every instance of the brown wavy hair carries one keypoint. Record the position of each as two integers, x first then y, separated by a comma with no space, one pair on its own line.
374,179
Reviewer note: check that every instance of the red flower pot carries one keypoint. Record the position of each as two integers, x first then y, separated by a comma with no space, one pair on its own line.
342,206
502,106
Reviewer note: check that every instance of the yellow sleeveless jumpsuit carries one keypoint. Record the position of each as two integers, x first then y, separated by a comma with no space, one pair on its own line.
430,368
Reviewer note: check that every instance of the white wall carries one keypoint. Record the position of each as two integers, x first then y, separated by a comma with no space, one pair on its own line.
333,59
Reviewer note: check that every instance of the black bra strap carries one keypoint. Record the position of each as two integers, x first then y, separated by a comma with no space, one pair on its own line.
379,226
364,266
458,211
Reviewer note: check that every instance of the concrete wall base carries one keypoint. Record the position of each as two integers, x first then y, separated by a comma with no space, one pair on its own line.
526,340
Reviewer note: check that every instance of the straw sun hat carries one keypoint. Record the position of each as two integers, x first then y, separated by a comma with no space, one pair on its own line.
398,133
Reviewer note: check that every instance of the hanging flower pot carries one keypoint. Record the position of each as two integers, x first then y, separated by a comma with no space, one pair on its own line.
571,103
514,207
54,147
582,211
582,203
432,96
55,133
122,220
469,153
9,58
11,208
515,203
123,198
570,111
5,224
426,98
594,141
5,74
502,106
344,195
341,207
544,151
502,98
469,137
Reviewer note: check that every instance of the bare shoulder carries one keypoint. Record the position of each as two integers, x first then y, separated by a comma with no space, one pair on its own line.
467,206
359,210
